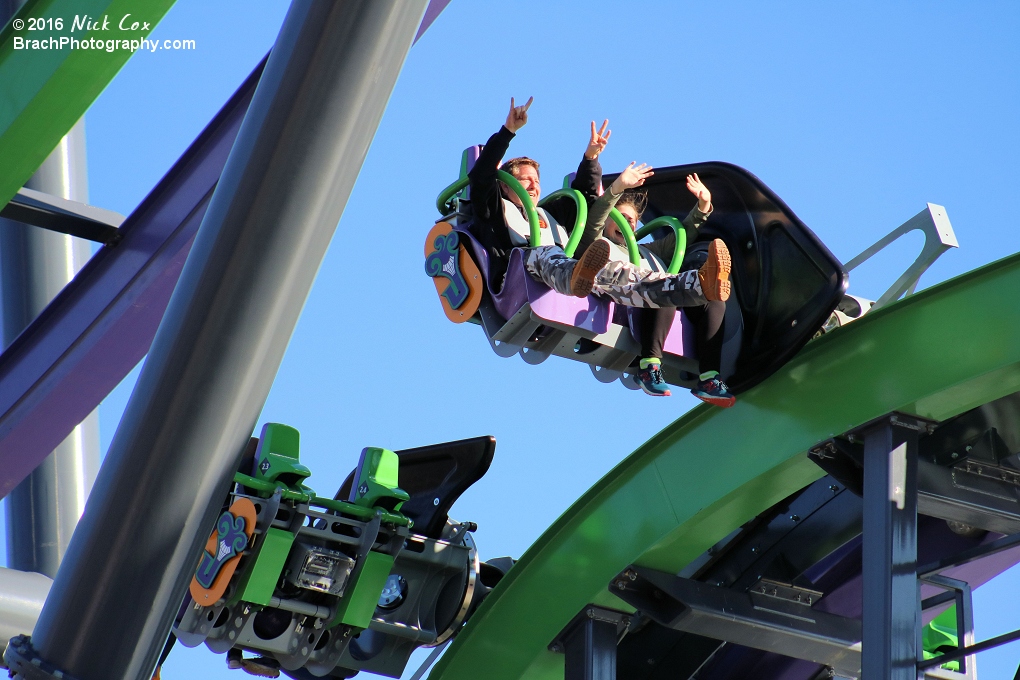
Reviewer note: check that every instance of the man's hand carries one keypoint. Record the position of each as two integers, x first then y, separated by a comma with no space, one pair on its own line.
518,116
597,143
632,177
695,186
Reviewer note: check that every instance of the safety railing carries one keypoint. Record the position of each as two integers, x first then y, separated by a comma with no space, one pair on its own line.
681,239
628,236
582,216
447,195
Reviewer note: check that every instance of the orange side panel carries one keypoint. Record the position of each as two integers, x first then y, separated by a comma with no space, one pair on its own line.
242,507
468,268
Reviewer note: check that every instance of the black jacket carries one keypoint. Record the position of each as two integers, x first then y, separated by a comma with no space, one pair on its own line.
489,224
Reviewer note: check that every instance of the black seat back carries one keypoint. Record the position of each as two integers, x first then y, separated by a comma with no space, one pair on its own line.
786,281
435,476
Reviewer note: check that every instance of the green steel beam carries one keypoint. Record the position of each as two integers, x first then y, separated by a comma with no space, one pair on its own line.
46,91
935,354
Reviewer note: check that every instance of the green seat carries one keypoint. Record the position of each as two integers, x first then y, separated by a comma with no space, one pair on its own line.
277,457
376,484
940,636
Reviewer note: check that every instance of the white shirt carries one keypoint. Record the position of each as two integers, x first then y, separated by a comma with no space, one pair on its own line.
520,232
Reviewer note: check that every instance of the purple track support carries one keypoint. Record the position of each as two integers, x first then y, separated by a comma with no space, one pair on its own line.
102,324
431,13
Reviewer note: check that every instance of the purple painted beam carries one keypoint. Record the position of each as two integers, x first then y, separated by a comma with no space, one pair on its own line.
431,12
102,324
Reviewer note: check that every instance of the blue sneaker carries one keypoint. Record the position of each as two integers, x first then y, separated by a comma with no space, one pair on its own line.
651,381
714,391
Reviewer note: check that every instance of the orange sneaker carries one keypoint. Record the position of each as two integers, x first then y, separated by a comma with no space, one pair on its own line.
714,275
588,266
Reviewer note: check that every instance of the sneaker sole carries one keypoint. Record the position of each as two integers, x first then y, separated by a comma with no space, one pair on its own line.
714,275
588,267
721,402
667,393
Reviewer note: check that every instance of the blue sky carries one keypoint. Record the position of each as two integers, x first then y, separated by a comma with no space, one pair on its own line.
856,114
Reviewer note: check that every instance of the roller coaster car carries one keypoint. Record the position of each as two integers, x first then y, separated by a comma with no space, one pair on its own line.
320,587
786,282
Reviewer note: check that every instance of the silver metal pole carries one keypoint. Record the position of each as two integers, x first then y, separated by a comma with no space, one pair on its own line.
22,594
35,265
224,334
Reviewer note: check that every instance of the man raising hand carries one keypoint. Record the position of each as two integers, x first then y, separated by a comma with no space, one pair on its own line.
518,116
500,223
598,141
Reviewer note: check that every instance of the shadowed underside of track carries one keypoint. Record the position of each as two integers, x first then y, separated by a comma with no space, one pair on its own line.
936,354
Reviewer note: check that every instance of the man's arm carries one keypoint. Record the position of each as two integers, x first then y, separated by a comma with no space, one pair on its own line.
588,177
486,199
482,176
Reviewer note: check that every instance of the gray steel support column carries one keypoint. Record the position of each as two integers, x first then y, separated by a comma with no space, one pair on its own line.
590,651
588,643
890,617
22,594
42,512
35,265
217,351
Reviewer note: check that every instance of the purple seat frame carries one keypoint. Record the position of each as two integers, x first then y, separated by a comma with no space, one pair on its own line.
592,314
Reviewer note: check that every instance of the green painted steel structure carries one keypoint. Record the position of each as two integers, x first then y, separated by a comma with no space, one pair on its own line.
935,354
46,91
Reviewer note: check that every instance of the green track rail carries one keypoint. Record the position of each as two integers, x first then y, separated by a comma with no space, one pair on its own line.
45,92
935,354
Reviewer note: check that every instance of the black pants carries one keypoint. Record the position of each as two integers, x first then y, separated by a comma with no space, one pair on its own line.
708,319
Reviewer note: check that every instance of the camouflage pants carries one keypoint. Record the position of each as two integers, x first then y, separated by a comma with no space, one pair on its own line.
621,282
